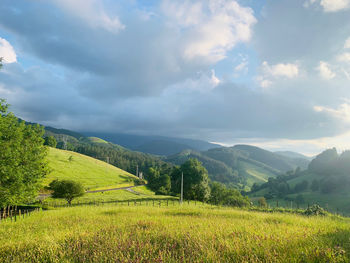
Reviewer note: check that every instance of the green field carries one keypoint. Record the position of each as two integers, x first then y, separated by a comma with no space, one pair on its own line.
172,234
92,173
96,140
254,174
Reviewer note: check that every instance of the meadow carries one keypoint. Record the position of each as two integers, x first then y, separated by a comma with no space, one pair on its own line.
92,173
184,233
137,193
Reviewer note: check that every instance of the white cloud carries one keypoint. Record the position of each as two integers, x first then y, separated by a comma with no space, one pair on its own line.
329,5
242,66
7,52
92,12
212,27
347,43
345,57
265,83
281,70
334,5
342,112
325,71
273,72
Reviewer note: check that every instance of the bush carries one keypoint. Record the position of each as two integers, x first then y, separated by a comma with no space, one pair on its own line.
315,210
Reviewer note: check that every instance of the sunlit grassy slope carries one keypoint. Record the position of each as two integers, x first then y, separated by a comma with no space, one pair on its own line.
255,174
92,173
173,234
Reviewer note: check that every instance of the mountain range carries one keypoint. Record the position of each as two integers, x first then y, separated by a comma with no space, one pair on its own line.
240,165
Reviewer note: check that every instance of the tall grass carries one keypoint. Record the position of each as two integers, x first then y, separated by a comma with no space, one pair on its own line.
173,234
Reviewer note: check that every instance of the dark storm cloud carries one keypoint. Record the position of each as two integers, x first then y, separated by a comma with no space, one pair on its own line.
136,78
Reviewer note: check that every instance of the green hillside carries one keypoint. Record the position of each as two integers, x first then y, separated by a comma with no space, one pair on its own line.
92,173
98,148
325,182
96,140
242,165
254,174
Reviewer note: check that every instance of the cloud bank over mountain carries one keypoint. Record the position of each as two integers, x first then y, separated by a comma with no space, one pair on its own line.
224,71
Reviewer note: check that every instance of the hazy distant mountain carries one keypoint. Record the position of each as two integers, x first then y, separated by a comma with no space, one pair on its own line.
158,145
294,155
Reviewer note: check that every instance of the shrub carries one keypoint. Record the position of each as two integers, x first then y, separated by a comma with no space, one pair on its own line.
315,210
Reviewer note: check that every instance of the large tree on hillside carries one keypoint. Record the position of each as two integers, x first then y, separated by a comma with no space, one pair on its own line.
67,189
196,181
22,159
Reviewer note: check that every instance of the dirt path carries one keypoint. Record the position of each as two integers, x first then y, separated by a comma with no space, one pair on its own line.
128,188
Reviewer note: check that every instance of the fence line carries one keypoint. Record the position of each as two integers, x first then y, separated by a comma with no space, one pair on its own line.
13,213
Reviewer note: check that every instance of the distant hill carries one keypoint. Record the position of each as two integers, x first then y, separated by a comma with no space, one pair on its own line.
276,161
92,173
293,155
218,171
325,182
243,165
158,145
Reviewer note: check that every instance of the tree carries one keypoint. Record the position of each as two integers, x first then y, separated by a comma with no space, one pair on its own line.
262,202
22,159
196,181
1,59
161,184
50,141
302,186
329,186
222,195
315,185
66,189
300,199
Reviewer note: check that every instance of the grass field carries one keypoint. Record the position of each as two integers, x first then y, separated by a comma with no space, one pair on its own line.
173,234
138,193
92,173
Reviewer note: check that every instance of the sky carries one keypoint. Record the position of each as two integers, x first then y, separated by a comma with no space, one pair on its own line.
274,74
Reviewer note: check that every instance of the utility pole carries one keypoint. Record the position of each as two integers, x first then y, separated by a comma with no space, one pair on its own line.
137,170
182,187
64,139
